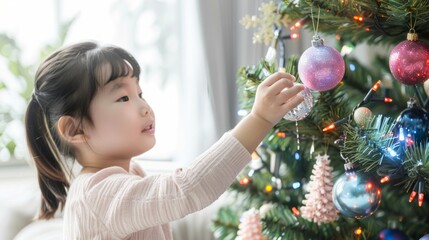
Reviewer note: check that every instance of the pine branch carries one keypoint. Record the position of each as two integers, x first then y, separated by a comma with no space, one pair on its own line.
282,222
225,224
382,21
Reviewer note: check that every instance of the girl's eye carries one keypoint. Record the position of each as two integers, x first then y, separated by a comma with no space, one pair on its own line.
123,99
140,95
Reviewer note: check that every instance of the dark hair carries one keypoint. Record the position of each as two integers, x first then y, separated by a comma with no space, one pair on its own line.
65,84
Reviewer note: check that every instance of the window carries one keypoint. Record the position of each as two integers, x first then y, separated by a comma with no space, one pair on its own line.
145,28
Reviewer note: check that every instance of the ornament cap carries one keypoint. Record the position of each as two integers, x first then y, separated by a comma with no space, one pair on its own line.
411,103
317,41
412,37
349,167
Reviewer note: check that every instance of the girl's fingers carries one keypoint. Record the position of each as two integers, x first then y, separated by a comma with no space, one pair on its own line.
280,85
291,92
293,102
275,77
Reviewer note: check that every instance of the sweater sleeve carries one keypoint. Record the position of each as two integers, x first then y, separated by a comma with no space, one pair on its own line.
127,203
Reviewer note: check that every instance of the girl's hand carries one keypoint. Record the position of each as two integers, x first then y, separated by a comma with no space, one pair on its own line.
276,96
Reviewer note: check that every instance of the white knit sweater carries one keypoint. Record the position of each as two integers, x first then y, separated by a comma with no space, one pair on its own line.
116,204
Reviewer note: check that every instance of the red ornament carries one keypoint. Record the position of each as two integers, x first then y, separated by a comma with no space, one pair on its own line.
409,61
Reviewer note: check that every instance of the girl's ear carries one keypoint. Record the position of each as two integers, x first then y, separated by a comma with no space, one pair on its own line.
70,130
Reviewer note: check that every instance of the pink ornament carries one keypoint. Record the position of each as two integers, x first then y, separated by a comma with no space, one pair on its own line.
250,227
409,61
321,67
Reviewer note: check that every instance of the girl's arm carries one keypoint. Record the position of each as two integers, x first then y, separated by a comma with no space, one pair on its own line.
121,204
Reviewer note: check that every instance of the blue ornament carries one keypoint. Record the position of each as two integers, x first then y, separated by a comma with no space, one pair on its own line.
425,237
412,125
392,234
356,195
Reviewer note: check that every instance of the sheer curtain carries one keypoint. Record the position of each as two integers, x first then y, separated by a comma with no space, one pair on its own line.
213,46
196,132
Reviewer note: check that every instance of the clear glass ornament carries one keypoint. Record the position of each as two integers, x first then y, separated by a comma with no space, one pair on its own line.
303,109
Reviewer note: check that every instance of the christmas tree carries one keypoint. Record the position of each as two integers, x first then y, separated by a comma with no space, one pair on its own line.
371,121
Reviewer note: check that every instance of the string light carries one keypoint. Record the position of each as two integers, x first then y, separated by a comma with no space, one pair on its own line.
367,98
371,92
369,186
295,211
358,231
412,196
294,36
244,181
409,141
421,197
329,128
299,23
391,152
376,85
335,125
296,185
358,18
296,25
421,193
385,179
297,155
268,188
281,134
382,99
291,36
418,190
347,49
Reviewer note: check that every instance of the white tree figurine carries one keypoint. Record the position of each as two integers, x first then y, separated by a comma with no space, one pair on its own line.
250,226
318,205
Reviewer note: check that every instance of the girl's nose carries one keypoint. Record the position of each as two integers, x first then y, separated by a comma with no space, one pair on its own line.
145,109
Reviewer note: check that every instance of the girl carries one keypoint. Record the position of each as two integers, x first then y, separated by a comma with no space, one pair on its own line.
87,105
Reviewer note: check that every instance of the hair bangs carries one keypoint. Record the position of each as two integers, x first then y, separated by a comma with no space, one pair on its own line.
114,63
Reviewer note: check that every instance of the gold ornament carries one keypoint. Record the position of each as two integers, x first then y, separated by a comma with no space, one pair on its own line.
362,115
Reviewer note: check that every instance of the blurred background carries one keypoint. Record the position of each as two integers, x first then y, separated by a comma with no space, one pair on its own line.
189,51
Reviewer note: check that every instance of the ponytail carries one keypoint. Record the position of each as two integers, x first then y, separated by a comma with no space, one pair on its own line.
51,175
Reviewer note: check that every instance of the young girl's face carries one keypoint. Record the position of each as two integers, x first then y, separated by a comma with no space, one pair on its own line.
123,122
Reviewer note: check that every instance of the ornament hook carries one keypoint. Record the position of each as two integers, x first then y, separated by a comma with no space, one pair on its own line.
315,27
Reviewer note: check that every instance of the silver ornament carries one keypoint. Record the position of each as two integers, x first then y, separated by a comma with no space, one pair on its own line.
356,195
